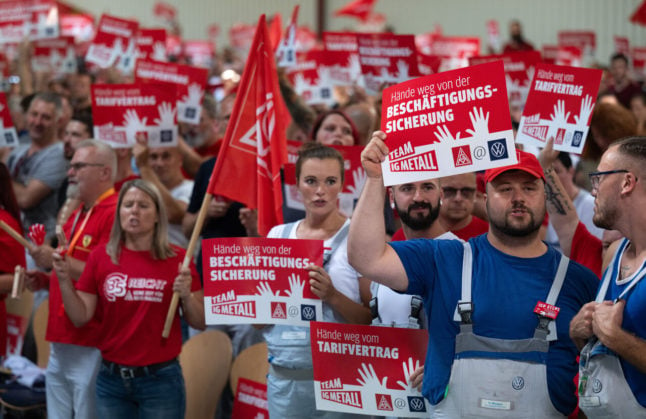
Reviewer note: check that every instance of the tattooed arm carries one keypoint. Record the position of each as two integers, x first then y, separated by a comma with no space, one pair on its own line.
560,207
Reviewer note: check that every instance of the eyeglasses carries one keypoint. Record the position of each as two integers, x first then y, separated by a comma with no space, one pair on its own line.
467,193
595,177
80,165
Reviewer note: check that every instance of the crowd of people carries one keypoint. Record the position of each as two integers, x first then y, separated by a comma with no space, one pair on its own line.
555,229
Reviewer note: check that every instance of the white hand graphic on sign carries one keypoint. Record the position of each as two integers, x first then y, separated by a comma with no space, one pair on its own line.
559,118
295,286
369,378
194,97
581,120
159,51
117,50
530,75
444,135
166,115
480,123
359,178
264,290
132,124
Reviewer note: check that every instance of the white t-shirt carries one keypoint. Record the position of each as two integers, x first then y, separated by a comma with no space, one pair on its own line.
181,192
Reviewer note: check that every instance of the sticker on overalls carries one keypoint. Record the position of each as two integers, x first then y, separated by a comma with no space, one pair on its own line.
546,310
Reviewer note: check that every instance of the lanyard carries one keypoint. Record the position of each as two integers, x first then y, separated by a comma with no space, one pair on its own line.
79,232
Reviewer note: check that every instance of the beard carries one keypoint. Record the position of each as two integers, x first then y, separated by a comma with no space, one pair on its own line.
504,226
72,191
195,140
420,221
604,217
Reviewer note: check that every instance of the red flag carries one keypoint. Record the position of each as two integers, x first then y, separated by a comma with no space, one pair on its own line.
360,9
639,15
254,147
275,30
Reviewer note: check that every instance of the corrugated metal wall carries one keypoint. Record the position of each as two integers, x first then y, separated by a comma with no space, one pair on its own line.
541,19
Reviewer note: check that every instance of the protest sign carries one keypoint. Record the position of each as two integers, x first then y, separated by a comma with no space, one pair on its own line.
569,56
559,105
519,72
343,57
311,79
8,135
250,401
114,43
188,81
455,50
260,280
366,369
33,19
549,53
286,53
639,61
164,11
121,111
151,44
622,45
447,123
199,52
387,59
16,327
56,55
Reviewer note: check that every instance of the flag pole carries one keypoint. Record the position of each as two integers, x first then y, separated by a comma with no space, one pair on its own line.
195,236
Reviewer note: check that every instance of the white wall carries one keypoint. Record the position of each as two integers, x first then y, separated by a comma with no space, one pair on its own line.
542,19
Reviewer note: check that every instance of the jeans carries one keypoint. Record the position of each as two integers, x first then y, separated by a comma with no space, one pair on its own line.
70,381
160,395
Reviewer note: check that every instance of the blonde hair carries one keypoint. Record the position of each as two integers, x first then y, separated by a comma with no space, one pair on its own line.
160,248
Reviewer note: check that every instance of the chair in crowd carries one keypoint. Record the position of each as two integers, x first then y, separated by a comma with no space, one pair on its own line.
206,361
252,364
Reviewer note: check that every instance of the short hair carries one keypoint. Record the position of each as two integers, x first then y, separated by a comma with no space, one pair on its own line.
612,122
210,106
52,98
160,248
318,151
619,56
104,150
634,148
84,116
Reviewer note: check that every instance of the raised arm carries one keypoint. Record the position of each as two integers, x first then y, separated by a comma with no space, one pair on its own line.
79,306
560,207
368,252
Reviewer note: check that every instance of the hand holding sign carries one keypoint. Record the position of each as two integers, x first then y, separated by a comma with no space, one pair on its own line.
409,370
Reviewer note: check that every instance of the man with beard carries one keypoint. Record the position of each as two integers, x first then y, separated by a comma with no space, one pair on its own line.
613,362
418,207
74,360
499,306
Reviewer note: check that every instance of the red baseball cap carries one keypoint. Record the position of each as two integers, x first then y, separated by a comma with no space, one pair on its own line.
527,162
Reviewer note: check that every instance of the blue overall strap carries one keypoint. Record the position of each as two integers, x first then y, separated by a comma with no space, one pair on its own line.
546,326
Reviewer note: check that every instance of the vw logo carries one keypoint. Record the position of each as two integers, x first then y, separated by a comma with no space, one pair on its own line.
518,383
596,385
497,150
308,312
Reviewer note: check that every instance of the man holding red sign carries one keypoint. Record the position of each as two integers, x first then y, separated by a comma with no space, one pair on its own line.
499,306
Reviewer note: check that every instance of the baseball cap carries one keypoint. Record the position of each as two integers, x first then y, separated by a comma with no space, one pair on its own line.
527,162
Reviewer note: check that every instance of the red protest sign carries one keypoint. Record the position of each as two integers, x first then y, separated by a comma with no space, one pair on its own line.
366,369
33,19
151,44
519,72
447,123
250,400
622,45
586,41
199,52
311,80
164,11
549,53
121,111
342,57
188,81
639,60
114,42
559,105
455,50
569,56
8,135
259,280
57,55
387,59
16,327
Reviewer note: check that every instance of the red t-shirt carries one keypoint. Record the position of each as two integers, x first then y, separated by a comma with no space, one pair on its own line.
118,184
587,249
12,254
96,231
476,227
133,299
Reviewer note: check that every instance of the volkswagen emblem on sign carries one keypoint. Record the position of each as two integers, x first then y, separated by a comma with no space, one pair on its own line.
308,313
596,385
518,383
416,404
498,149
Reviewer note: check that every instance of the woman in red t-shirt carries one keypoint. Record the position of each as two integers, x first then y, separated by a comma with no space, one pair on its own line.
128,284
12,252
